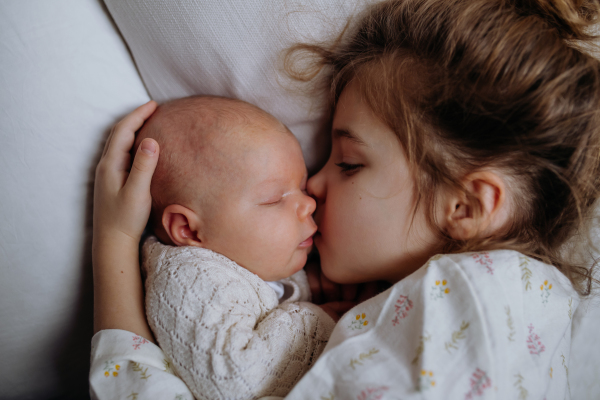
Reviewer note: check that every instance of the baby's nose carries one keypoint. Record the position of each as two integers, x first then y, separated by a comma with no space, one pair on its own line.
307,207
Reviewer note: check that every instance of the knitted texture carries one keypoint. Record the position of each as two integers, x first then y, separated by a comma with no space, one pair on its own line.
222,327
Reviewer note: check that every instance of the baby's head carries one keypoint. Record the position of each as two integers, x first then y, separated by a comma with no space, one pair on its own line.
231,178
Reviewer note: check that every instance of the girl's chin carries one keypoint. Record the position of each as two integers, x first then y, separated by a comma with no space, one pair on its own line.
335,275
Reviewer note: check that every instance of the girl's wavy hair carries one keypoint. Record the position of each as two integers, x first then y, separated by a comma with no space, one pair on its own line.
471,84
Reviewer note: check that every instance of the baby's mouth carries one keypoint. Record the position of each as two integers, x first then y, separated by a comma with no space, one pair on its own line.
308,241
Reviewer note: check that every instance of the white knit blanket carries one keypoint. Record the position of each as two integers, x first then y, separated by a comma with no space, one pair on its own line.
222,327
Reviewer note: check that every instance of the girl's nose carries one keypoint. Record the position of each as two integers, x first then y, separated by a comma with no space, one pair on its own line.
316,186
306,207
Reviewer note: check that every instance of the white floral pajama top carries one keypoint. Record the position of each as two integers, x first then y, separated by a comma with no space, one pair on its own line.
491,325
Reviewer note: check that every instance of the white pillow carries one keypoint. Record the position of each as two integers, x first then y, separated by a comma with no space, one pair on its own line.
232,48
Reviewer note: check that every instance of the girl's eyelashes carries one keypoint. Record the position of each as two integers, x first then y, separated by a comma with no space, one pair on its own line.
349,169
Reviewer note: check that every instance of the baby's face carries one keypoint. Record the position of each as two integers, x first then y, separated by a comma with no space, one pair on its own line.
262,216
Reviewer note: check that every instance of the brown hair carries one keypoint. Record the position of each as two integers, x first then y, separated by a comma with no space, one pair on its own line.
472,84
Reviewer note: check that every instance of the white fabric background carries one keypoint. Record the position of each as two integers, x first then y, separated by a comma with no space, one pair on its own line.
66,77
232,48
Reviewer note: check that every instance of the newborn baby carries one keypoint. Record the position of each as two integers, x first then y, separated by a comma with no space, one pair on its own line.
231,215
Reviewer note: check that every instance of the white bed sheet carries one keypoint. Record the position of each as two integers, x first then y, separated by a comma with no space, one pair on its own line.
66,77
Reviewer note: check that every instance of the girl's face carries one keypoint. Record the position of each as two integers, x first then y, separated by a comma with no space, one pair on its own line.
365,197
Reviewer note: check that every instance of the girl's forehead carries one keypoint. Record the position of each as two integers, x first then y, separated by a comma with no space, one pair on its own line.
355,122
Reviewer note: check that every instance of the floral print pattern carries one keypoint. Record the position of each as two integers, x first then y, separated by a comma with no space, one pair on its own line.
138,341
426,380
359,322
485,260
439,290
479,382
111,369
372,393
534,342
545,288
402,307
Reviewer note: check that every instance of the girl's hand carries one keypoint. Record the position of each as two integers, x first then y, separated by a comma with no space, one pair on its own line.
336,309
325,292
122,199
122,205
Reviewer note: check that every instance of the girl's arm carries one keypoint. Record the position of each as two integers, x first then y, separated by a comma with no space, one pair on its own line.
122,359
121,209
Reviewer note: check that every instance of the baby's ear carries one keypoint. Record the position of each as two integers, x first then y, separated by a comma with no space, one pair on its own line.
182,225
479,211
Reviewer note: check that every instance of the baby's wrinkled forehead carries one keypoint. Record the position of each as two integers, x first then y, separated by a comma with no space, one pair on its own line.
209,142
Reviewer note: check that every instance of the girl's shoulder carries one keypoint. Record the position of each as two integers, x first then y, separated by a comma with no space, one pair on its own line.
495,284
507,268
483,324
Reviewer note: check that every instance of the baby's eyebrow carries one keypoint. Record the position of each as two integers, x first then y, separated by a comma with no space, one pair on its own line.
339,133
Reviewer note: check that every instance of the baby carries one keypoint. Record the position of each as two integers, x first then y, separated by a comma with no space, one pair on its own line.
231,215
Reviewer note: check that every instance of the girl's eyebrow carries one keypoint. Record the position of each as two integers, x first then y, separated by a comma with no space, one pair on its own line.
339,133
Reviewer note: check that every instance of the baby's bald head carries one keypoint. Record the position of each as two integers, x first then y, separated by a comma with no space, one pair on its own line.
203,143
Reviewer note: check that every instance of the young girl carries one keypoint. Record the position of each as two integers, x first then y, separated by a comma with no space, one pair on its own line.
464,128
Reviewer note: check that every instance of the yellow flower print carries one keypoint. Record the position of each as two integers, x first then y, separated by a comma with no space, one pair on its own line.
363,314
109,367
545,288
440,289
360,322
426,380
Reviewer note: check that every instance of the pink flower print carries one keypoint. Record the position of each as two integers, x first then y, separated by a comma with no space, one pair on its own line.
375,393
138,341
534,342
403,306
485,260
479,382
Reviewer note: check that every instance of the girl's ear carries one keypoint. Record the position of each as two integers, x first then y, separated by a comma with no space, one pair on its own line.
478,212
182,225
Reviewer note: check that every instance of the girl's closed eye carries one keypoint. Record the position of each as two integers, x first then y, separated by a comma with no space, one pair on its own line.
349,169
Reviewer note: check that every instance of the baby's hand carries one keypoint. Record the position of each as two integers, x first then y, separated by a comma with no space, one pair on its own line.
122,198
